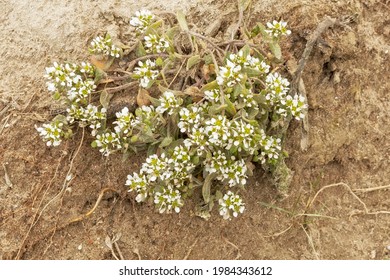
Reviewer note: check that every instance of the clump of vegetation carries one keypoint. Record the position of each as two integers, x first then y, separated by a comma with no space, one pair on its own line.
206,110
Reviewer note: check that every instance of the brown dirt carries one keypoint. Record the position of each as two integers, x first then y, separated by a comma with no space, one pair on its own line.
347,82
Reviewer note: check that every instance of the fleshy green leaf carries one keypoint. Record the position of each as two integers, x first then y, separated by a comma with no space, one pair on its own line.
105,98
192,61
93,144
230,107
275,49
210,86
166,142
140,50
56,95
243,4
181,18
206,187
159,62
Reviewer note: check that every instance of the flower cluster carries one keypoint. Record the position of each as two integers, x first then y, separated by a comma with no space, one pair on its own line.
230,74
270,150
249,61
191,118
277,29
154,44
87,116
167,199
139,184
169,103
227,169
230,205
276,95
146,118
124,122
108,142
70,79
294,105
104,46
277,88
52,132
142,20
146,73
163,178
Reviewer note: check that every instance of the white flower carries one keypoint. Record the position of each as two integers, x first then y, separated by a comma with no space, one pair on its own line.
156,167
138,184
277,88
154,44
142,20
270,149
100,45
146,72
168,103
229,75
190,118
277,29
108,142
212,95
52,133
230,205
124,121
168,199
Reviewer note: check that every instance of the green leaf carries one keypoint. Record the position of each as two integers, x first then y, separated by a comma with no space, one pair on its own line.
230,107
275,49
206,187
164,89
140,50
181,18
152,29
251,72
105,98
245,50
259,98
252,113
210,86
216,108
172,32
56,95
166,142
159,62
195,160
99,75
192,61
218,195
93,144
260,28
243,4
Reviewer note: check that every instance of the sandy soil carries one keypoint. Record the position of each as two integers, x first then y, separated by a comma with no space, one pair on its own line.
347,82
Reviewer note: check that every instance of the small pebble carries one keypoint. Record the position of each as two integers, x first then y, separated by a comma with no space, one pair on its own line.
80,247
373,254
388,247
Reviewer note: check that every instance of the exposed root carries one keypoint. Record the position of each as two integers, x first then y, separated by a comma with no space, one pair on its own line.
238,256
190,249
86,215
136,251
278,233
372,189
35,219
310,239
366,211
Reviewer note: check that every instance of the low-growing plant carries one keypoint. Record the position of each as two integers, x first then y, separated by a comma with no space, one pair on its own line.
207,109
